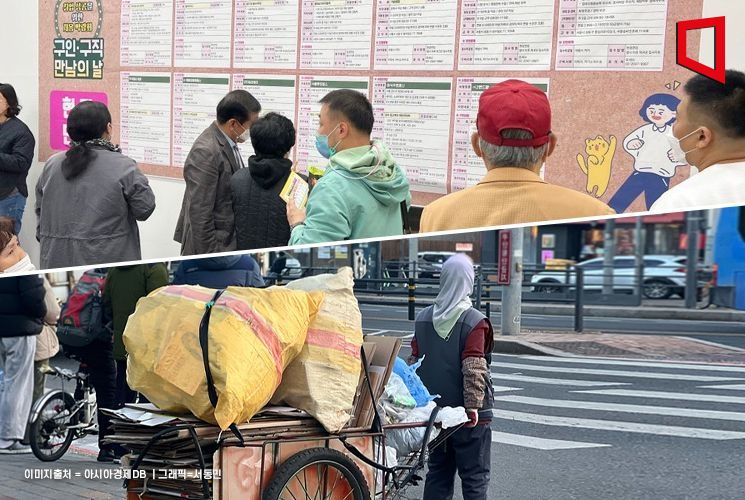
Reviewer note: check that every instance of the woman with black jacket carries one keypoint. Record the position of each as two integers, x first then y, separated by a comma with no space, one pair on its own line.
22,311
16,153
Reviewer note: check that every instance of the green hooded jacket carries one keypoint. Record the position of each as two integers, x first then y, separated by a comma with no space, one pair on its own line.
358,197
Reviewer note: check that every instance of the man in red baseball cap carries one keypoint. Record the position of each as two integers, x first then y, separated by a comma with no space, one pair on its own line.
514,139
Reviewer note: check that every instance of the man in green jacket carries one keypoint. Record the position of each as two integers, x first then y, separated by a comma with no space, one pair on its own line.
361,193
125,285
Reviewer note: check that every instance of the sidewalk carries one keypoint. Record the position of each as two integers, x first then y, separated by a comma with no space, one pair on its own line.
643,347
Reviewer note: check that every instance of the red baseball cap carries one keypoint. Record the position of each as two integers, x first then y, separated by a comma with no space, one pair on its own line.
514,104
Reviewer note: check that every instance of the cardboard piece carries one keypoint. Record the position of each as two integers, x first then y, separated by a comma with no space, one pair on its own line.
381,353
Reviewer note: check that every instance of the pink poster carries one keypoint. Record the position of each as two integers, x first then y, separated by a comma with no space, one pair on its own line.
547,255
61,103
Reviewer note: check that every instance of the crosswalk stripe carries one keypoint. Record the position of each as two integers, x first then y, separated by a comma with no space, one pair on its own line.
501,388
712,398
733,387
643,364
613,425
540,443
624,408
554,381
614,373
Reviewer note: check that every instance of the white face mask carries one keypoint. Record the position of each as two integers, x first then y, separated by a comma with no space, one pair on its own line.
244,137
22,265
677,151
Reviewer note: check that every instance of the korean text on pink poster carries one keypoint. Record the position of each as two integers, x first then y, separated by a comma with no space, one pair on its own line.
61,103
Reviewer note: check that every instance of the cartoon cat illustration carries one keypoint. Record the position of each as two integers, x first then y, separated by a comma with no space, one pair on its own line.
600,154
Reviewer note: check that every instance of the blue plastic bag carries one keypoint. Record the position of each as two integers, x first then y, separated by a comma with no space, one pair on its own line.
415,385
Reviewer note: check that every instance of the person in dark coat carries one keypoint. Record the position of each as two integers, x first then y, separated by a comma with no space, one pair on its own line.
207,223
260,214
456,341
219,272
16,154
22,311
125,285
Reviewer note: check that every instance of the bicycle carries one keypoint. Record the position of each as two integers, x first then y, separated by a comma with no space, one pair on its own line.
59,417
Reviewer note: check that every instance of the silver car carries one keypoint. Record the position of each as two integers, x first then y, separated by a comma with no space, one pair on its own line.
663,276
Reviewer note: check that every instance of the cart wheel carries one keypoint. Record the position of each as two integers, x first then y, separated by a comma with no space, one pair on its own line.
318,473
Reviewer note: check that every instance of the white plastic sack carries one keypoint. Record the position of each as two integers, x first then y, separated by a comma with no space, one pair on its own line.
406,441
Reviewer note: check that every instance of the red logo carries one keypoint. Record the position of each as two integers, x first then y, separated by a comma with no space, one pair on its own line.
718,72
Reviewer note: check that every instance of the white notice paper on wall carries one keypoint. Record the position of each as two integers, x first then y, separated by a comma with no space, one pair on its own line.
146,33
195,98
611,35
145,123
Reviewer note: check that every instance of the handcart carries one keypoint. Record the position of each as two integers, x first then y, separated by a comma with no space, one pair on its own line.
287,466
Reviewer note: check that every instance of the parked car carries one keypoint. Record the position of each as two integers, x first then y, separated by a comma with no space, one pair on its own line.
430,263
293,268
663,276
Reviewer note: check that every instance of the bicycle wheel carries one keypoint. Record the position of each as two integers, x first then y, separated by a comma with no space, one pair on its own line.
49,434
318,473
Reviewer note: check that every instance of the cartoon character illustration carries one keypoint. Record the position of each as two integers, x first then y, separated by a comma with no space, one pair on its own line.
648,145
599,163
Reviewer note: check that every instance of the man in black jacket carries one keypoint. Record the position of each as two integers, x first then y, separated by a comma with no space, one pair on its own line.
16,153
260,214
22,310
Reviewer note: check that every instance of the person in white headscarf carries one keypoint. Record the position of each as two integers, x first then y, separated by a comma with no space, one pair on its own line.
456,340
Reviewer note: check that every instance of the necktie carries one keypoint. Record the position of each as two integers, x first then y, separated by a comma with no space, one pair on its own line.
238,156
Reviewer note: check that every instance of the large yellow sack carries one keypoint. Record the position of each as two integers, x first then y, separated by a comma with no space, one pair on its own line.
323,378
253,336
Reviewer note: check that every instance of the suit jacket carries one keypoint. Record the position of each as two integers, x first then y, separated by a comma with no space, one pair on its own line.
207,223
509,196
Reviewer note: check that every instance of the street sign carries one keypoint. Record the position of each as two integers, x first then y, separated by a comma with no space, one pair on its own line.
504,259
464,247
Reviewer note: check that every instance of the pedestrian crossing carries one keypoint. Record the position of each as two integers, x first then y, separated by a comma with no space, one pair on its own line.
583,403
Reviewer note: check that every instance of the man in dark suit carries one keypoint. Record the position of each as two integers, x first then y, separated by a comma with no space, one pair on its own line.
207,223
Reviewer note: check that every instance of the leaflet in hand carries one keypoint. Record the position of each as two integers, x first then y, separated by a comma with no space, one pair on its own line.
296,189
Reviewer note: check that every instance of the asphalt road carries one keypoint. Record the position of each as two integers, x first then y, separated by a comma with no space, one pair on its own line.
395,318
668,435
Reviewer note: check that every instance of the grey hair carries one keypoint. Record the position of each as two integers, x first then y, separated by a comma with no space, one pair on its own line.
510,156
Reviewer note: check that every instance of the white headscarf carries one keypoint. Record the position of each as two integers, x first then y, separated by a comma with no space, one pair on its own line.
456,286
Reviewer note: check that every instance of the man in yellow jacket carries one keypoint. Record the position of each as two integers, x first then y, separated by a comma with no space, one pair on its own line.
514,139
